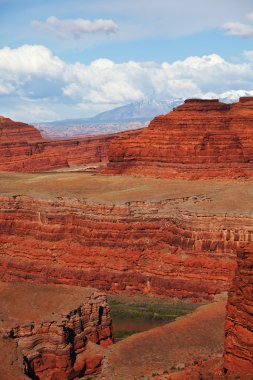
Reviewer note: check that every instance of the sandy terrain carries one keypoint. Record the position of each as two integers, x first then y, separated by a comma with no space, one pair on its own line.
218,197
24,302
199,335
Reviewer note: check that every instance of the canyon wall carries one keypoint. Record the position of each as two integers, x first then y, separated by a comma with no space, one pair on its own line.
148,247
61,345
238,358
198,139
23,149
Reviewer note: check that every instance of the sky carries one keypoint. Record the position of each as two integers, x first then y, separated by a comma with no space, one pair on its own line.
75,58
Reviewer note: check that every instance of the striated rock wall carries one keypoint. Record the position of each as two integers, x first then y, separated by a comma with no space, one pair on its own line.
199,139
238,358
23,149
65,345
15,132
135,246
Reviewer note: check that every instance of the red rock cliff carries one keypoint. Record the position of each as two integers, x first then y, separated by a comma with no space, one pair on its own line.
53,343
199,139
238,358
23,149
149,249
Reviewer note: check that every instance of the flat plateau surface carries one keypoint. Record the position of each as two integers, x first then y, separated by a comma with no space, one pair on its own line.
234,197
24,302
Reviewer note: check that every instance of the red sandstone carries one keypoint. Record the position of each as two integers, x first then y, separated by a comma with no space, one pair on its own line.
150,248
23,149
199,139
59,332
238,358
175,246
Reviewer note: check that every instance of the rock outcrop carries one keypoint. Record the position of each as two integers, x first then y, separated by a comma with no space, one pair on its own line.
238,358
16,132
174,246
23,149
53,343
198,139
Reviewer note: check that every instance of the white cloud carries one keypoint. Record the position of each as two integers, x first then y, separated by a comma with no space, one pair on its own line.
238,29
32,76
248,54
169,18
76,28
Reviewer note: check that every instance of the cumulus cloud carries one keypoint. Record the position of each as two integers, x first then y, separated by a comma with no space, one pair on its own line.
240,29
76,28
33,75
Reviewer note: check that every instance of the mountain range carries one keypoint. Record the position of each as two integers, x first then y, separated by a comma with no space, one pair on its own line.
131,116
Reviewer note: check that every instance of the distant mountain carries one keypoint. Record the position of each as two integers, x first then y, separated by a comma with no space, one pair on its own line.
140,111
131,116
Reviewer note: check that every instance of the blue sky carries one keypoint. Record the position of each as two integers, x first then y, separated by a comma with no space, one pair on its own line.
74,58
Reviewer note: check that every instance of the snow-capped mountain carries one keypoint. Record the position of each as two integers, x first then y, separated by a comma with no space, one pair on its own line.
131,116
139,111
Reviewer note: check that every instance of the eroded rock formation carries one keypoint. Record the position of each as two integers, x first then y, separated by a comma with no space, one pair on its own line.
199,139
22,148
53,343
143,246
238,358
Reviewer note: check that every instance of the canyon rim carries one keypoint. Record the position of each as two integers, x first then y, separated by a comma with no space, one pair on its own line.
126,190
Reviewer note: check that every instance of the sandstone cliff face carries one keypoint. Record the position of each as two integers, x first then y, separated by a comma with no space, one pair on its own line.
238,358
15,132
135,247
62,345
23,149
199,139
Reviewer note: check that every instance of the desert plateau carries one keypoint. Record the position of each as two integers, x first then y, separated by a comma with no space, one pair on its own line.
84,226
126,190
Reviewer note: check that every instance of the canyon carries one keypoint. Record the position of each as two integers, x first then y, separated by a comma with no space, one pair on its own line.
198,139
123,234
23,149
167,211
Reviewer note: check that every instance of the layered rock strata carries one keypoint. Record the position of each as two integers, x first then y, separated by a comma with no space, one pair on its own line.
22,148
53,343
198,139
238,358
172,246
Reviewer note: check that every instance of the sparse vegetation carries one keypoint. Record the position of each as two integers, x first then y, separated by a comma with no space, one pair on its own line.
132,314
149,308
121,334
